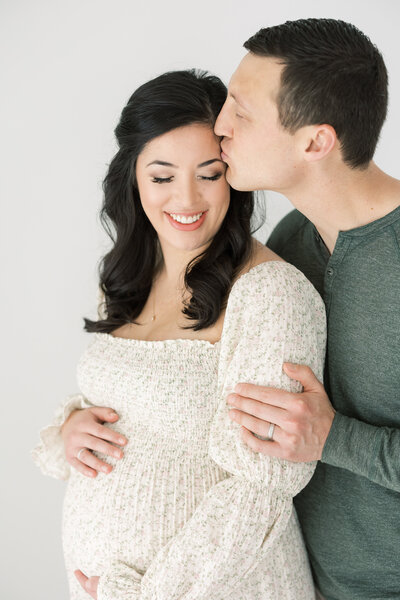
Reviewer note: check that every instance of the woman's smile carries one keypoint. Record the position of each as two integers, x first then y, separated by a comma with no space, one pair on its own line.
186,221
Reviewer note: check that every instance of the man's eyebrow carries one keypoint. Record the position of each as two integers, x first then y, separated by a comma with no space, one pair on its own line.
238,101
167,164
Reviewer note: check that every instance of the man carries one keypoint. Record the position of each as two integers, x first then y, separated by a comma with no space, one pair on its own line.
303,115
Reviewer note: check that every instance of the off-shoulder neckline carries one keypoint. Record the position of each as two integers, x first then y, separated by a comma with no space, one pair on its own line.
157,343
172,341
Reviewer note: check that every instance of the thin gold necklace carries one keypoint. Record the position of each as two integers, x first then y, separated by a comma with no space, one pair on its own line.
153,318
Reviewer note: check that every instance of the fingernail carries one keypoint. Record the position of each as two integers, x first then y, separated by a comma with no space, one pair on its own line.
121,440
117,454
104,469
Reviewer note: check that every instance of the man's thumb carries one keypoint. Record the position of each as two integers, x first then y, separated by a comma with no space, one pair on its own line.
303,374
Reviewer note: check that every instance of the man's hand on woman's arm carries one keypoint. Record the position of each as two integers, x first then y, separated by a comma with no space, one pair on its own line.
85,428
302,420
308,428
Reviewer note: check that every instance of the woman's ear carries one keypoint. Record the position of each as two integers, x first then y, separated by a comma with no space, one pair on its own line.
318,142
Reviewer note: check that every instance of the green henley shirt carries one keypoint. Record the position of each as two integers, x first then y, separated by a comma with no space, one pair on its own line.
350,510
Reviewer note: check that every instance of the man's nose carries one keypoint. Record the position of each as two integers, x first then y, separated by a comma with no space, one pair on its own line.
221,127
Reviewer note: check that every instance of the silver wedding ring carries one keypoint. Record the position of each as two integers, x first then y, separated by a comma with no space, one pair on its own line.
78,456
271,432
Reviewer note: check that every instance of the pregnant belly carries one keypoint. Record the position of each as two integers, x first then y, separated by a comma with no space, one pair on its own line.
134,511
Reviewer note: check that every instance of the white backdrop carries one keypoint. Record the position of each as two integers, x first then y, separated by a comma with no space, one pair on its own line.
68,69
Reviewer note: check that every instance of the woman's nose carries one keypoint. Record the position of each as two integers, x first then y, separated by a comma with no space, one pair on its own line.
188,193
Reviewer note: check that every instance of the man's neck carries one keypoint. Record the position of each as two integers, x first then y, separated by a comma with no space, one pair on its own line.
346,199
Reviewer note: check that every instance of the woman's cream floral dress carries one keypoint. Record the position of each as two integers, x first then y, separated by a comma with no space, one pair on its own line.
190,512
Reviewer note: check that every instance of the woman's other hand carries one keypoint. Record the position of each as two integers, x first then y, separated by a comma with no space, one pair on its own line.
84,429
89,584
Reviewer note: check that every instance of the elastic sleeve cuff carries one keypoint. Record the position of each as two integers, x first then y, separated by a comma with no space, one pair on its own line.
351,445
119,582
49,453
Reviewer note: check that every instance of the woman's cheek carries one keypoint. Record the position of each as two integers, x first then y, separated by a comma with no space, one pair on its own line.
153,201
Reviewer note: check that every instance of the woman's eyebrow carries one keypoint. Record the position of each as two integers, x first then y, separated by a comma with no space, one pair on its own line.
209,162
163,163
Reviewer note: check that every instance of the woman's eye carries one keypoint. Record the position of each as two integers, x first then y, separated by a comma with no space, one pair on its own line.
213,178
169,179
161,179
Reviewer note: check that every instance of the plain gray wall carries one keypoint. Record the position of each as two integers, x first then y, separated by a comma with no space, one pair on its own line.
68,68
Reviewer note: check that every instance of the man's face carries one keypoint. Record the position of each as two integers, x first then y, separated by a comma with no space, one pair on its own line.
259,152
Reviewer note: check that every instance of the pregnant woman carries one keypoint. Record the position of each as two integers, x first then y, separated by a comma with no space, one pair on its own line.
192,306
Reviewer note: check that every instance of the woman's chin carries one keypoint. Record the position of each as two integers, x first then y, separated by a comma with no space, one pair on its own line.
191,246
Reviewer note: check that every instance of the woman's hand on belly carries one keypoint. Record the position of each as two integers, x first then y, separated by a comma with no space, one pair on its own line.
89,584
83,432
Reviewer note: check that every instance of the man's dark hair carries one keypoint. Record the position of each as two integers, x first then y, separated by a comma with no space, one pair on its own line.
333,74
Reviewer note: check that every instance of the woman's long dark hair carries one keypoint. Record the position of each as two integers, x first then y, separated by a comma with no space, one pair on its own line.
126,272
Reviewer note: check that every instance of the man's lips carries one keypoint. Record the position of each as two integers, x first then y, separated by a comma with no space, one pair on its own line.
223,153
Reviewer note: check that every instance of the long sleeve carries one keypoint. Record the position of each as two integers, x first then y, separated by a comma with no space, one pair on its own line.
273,315
49,453
364,449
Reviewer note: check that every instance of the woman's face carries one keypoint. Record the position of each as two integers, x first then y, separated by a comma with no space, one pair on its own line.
182,186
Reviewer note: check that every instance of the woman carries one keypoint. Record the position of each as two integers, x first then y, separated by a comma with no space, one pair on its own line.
193,305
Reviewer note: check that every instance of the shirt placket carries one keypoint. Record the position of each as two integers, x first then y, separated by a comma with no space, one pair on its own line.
333,266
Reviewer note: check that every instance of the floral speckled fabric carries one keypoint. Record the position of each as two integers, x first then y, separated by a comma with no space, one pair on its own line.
190,512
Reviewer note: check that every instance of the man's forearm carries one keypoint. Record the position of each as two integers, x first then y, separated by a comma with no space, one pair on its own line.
364,449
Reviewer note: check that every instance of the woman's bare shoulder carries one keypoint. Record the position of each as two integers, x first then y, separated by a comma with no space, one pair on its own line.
262,254
259,254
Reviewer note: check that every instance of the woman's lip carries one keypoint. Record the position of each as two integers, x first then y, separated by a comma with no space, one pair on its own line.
224,156
184,214
186,226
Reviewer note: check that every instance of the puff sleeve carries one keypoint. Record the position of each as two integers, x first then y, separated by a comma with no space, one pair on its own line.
273,315
49,453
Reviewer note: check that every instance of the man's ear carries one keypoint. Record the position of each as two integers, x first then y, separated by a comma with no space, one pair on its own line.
319,140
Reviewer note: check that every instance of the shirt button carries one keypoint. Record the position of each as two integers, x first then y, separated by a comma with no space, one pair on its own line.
329,271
